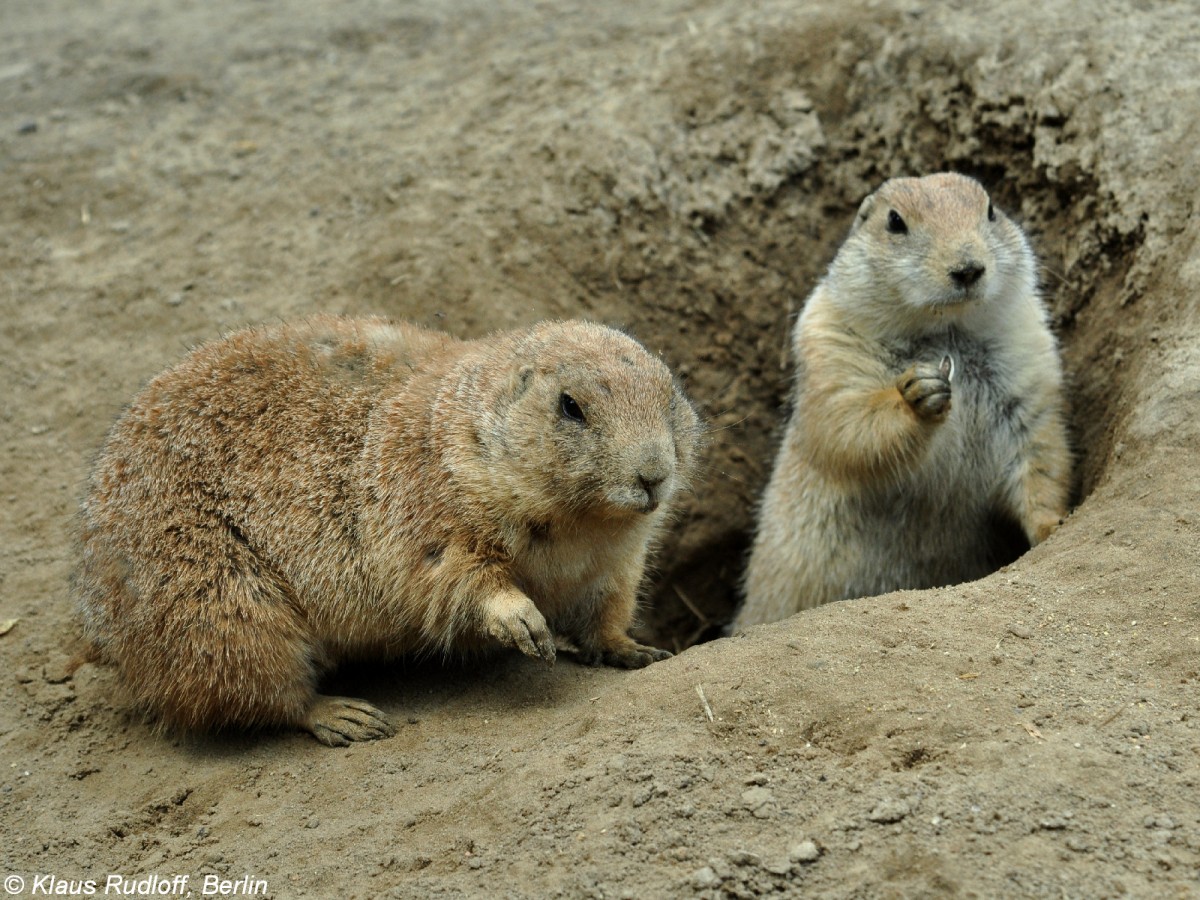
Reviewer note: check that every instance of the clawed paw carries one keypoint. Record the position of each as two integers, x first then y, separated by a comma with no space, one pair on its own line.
926,389
513,620
338,721
628,656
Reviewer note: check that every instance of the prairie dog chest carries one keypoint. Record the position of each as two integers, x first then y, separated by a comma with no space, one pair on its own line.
557,567
982,376
986,408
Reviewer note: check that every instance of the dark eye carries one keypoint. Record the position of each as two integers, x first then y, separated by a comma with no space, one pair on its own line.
991,212
895,224
570,409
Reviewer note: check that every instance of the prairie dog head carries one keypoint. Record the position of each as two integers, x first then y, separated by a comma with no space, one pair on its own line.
934,246
587,421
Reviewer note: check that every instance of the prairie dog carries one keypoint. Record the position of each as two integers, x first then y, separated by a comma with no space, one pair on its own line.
928,408
291,496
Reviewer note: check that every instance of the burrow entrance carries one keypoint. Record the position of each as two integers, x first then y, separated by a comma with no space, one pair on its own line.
716,229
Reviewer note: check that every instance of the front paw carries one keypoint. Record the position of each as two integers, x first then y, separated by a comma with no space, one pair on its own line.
511,618
926,389
628,655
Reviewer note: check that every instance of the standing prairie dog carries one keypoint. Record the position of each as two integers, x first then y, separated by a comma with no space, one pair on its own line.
292,496
928,408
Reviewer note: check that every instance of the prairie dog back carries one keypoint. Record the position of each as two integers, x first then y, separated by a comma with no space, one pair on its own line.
928,408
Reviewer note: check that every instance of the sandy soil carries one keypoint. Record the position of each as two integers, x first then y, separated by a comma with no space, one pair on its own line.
685,170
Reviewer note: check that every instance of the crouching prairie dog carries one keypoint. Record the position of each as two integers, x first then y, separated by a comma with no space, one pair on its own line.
292,496
928,412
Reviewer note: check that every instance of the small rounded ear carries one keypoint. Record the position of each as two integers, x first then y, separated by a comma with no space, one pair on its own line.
864,211
521,380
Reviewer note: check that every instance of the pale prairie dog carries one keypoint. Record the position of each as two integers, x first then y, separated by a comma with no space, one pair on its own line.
928,408
292,496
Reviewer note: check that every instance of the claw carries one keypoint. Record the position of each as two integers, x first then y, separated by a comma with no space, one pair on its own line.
926,389
512,619
631,656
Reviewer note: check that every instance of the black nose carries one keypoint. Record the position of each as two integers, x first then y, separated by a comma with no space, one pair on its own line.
650,485
965,276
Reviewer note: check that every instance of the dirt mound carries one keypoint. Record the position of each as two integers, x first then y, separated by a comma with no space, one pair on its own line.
684,171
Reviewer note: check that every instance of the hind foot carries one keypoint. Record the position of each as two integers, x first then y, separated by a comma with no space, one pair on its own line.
1041,526
628,655
336,721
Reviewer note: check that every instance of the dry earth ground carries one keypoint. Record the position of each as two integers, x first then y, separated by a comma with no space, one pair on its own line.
169,170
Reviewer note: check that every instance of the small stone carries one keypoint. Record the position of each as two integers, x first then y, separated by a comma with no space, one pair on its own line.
804,852
57,673
1078,843
1053,823
744,858
759,801
705,878
722,868
312,823
475,863
757,778
888,811
1020,631
27,128
778,867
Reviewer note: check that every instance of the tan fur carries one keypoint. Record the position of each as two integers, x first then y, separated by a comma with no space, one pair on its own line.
928,405
292,496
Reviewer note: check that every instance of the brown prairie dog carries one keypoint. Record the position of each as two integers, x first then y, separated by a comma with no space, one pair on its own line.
292,496
928,408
